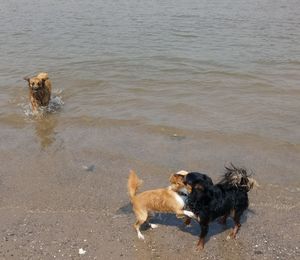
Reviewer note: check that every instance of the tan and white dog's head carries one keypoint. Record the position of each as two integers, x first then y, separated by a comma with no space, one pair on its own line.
176,180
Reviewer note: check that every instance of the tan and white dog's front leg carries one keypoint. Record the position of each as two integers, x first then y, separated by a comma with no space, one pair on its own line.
140,235
190,214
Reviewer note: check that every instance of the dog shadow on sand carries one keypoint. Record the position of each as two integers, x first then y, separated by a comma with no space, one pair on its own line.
168,219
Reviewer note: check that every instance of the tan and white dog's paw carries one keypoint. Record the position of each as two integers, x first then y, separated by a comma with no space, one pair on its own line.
141,236
153,225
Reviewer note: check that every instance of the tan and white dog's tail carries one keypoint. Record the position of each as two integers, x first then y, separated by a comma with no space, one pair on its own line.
133,184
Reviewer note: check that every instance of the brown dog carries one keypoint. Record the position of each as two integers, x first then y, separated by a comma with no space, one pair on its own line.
39,91
165,200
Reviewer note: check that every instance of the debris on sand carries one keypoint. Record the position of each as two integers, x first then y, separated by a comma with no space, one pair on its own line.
89,168
81,251
178,137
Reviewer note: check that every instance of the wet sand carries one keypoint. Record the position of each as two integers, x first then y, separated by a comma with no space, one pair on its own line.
51,205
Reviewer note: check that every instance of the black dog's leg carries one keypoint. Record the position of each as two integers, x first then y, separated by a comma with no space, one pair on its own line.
187,221
222,220
236,217
204,231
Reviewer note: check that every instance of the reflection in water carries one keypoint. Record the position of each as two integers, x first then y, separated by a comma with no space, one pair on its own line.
44,129
45,120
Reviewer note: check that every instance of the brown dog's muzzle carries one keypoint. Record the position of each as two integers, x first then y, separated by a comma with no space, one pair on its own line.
36,87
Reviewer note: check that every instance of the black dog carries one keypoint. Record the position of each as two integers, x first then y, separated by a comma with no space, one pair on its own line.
209,201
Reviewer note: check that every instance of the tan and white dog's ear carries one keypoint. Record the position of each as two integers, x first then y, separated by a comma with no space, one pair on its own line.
182,173
174,178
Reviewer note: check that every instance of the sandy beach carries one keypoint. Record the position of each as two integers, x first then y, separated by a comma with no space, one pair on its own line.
58,199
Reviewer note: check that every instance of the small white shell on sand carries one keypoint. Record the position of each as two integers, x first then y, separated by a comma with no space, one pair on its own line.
88,168
81,251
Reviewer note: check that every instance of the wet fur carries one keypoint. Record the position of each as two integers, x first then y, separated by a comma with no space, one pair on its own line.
164,200
39,91
209,201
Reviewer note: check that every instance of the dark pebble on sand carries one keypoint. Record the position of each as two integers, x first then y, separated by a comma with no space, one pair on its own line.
258,252
178,137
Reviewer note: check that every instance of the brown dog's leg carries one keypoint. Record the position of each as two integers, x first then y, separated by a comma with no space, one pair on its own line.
34,104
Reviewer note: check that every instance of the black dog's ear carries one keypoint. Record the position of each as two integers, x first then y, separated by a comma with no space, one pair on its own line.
208,180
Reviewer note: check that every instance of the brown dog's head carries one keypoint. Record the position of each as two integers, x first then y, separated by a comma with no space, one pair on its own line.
176,180
35,83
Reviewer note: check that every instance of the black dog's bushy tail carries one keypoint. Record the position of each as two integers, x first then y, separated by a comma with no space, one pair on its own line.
238,177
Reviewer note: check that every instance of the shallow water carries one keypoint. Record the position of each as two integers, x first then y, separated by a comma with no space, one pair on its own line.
178,84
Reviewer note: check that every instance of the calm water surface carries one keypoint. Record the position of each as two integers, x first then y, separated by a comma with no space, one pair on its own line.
213,72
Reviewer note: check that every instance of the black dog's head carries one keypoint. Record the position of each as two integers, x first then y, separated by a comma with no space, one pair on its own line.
196,180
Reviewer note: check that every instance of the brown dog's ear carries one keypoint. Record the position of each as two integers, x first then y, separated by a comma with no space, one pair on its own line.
43,82
27,79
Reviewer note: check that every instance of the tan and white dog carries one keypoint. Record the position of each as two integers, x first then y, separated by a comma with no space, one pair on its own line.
39,90
166,200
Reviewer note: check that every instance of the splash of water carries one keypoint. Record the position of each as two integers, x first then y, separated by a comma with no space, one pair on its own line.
55,104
